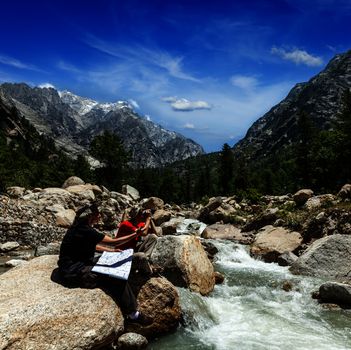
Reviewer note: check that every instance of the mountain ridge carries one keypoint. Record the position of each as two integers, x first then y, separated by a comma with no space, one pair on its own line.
73,121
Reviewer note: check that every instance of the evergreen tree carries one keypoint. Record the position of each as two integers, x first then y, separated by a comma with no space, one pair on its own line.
108,149
226,169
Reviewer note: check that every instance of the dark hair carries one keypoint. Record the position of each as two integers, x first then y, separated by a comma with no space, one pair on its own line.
85,213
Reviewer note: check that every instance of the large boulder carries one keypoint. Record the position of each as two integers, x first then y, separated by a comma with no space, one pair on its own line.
153,203
185,262
160,216
272,241
213,204
221,231
131,191
301,196
8,246
36,313
317,202
158,299
336,293
267,217
327,257
225,213
73,181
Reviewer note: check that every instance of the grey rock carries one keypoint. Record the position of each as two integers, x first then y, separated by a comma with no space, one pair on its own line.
131,191
337,293
345,192
153,203
15,191
132,341
327,257
52,248
73,181
272,241
286,259
185,262
160,216
8,246
301,196
64,318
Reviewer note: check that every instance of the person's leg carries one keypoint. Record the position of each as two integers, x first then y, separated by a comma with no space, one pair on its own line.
147,245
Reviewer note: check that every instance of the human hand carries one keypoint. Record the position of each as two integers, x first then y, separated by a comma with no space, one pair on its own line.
117,250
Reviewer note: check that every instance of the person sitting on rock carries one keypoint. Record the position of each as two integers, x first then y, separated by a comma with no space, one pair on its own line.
76,261
143,244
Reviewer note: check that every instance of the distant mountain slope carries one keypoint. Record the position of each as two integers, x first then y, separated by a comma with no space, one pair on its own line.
73,121
320,98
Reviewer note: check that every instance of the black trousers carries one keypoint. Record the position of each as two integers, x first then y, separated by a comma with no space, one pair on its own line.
119,290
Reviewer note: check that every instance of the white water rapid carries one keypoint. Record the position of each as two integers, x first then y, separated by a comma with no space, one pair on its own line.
251,311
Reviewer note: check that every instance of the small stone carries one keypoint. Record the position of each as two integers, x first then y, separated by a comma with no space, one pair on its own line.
131,341
219,278
287,286
8,246
14,262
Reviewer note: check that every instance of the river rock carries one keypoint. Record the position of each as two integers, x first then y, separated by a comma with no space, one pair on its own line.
268,217
301,196
345,192
73,181
327,257
273,241
185,262
8,246
15,262
153,203
213,204
131,341
131,191
219,277
286,259
36,313
221,231
52,248
170,227
82,191
319,201
160,216
337,293
15,191
159,300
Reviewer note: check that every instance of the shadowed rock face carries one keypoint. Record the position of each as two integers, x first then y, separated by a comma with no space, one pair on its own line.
327,257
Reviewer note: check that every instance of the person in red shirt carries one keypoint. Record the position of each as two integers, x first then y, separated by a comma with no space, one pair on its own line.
143,243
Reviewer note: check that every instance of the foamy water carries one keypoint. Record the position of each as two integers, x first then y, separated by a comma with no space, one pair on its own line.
252,311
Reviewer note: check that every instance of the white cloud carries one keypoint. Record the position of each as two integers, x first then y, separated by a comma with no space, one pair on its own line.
298,56
138,55
244,82
184,105
134,104
47,86
169,99
147,117
189,126
13,62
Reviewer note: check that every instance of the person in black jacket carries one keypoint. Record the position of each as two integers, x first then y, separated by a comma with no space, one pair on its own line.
76,261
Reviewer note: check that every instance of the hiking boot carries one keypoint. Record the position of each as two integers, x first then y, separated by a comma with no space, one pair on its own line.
142,320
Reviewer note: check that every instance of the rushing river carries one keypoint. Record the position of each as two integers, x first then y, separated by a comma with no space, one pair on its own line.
252,311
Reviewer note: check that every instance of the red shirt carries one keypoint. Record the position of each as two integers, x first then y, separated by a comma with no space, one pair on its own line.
126,228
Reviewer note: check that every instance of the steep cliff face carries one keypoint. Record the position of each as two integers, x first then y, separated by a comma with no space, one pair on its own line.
73,121
320,98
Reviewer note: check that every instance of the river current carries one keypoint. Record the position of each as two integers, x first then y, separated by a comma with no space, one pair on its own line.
250,310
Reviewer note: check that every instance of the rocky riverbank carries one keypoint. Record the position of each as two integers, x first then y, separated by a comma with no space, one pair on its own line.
310,233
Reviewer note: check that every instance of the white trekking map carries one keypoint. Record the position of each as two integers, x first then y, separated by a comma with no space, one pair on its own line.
115,265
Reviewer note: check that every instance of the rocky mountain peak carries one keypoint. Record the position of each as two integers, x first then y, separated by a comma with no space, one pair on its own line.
320,98
73,121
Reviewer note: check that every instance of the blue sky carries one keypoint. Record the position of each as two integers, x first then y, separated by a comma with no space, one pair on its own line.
206,69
